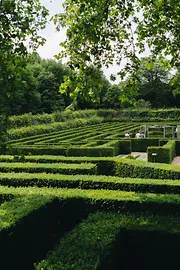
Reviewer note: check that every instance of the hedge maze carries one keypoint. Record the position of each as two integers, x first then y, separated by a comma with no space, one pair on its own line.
95,140
67,201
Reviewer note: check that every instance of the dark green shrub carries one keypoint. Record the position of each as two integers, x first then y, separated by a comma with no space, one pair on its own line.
163,142
26,131
35,150
31,226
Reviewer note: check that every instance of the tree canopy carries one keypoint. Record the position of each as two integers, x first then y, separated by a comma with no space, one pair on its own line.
103,32
154,83
20,22
100,31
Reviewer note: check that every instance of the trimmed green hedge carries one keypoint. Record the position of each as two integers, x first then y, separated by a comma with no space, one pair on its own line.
90,151
163,142
164,154
16,209
100,242
141,145
90,182
64,168
36,150
148,115
30,225
51,159
121,167
125,115
87,245
177,147
106,199
125,147
31,120
105,165
17,133
91,200
110,148
142,169
56,134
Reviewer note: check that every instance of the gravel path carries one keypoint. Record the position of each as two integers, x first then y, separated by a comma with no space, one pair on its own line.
138,155
143,156
176,161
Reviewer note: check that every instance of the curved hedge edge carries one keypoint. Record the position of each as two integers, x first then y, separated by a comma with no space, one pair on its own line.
88,245
12,211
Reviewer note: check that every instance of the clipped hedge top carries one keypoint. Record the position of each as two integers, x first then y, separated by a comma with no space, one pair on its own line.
94,195
87,178
53,158
84,247
90,242
140,163
46,165
12,211
76,160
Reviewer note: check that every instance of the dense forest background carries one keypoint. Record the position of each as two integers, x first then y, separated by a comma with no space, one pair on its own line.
36,88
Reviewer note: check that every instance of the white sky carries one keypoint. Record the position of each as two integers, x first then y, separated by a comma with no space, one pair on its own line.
54,38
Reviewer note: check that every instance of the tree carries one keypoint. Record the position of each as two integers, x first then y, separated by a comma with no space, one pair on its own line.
112,97
153,83
175,84
49,75
102,32
20,22
87,86
25,96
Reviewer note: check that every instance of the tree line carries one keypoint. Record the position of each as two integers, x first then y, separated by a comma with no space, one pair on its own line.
38,84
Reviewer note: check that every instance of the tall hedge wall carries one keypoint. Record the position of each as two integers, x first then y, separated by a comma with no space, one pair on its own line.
141,145
162,154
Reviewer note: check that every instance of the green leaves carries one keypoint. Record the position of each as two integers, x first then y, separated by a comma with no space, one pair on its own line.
20,22
105,32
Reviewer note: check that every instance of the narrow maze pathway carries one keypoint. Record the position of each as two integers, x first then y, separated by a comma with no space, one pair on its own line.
143,156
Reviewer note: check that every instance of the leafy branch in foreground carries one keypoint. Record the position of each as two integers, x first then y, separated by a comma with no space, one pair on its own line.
100,33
